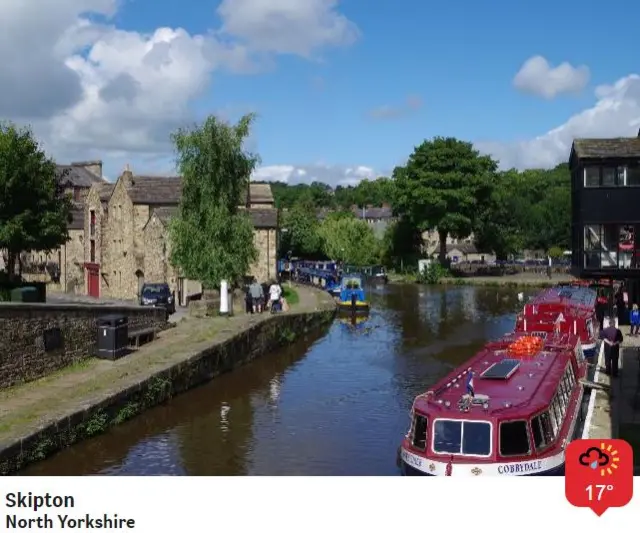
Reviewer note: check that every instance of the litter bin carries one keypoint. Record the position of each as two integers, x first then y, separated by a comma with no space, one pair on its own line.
113,337
24,294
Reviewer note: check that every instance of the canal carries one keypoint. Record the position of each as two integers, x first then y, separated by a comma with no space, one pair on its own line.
335,403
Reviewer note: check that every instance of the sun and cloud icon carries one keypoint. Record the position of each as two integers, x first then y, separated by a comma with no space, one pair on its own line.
603,458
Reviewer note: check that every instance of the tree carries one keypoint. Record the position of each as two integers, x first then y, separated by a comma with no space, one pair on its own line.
402,241
34,211
443,186
301,236
349,240
212,237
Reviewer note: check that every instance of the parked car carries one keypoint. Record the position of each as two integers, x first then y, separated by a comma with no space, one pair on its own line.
158,295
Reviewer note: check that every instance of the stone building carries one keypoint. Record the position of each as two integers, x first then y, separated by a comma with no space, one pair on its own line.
63,267
126,235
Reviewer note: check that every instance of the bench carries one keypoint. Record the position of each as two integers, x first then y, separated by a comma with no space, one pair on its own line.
140,336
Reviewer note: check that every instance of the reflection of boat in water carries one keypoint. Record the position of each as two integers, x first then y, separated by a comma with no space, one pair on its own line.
352,296
354,320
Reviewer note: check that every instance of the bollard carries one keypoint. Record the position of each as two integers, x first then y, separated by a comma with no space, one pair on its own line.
224,298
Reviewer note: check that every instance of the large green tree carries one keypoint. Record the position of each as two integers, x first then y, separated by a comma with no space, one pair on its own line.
34,212
212,236
349,240
300,236
443,186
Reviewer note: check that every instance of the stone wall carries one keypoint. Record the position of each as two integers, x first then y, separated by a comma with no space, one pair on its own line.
265,268
157,267
23,356
72,276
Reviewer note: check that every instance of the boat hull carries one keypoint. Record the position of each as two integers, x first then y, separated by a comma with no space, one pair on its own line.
411,464
408,470
348,307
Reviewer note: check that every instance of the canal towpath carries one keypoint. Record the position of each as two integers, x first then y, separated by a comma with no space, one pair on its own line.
28,408
616,404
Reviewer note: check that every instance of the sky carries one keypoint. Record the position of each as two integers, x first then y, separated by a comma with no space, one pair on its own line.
343,89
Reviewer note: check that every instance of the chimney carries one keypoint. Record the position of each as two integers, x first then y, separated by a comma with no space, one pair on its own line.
95,167
127,177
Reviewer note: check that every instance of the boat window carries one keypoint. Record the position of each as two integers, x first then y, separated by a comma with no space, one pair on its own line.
420,432
514,438
563,392
542,429
462,437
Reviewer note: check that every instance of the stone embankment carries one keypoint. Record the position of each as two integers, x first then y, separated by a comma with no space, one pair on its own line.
83,400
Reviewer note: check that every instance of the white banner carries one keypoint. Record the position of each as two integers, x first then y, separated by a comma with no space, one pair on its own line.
322,504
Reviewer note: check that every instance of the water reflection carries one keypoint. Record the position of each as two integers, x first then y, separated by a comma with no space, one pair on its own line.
333,404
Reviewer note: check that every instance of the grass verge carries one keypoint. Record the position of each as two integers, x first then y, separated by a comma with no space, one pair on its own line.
291,295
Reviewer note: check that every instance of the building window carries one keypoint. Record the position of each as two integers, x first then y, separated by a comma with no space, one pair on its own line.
610,246
92,223
633,175
592,177
93,251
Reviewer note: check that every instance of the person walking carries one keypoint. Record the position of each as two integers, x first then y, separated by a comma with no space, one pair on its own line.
612,338
257,295
634,318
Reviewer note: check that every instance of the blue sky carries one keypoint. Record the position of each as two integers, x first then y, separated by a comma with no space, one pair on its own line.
349,96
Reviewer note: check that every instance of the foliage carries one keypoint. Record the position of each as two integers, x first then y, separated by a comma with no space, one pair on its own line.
433,274
212,238
401,240
349,240
301,237
34,211
443,186
555,252
291,295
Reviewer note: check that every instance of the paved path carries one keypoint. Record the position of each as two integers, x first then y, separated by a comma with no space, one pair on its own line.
26,408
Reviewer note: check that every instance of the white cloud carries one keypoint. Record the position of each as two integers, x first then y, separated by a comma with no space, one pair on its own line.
298,27
91,89
330,174
390,112
616,113
537,76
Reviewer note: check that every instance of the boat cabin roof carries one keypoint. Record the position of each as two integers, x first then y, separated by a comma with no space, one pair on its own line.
510,388
567,296
351,278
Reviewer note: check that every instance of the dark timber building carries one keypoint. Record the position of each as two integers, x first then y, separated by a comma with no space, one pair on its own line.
605,198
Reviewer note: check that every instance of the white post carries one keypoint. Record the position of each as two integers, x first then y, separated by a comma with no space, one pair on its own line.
224,297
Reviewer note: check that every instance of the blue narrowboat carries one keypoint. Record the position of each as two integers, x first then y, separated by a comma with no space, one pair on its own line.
352,296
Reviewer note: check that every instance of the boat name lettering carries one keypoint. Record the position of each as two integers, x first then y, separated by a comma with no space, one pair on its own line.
411,459
517,468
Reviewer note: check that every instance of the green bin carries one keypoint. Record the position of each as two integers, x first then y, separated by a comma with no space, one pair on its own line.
24,294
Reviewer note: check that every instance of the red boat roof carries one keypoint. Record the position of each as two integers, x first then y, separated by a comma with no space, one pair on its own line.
569,296
527,386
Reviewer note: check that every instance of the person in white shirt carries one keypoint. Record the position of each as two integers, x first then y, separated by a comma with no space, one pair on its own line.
275,292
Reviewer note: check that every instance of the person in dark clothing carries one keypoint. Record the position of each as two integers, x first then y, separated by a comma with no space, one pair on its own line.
612,338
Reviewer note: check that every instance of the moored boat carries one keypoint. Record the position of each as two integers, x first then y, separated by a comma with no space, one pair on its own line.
509,411
352,296
569,309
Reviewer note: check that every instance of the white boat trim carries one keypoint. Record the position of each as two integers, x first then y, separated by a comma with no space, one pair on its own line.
592,397
515,468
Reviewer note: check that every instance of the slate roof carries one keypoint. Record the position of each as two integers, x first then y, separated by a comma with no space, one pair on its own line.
264,218
261,218
621,147
376,213
77,176
104,191
164,214
464,247
156,190
261,193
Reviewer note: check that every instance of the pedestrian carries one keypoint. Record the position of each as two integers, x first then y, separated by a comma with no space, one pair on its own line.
635,320
612,338
257,295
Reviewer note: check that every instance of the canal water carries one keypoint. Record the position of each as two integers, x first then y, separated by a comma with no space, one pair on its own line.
334,403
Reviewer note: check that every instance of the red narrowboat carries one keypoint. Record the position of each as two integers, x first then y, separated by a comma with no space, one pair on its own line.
569,309
509,411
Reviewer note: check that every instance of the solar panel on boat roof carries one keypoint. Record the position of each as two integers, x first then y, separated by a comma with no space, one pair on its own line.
501,370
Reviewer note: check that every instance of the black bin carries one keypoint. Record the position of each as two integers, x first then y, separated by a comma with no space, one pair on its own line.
113,337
